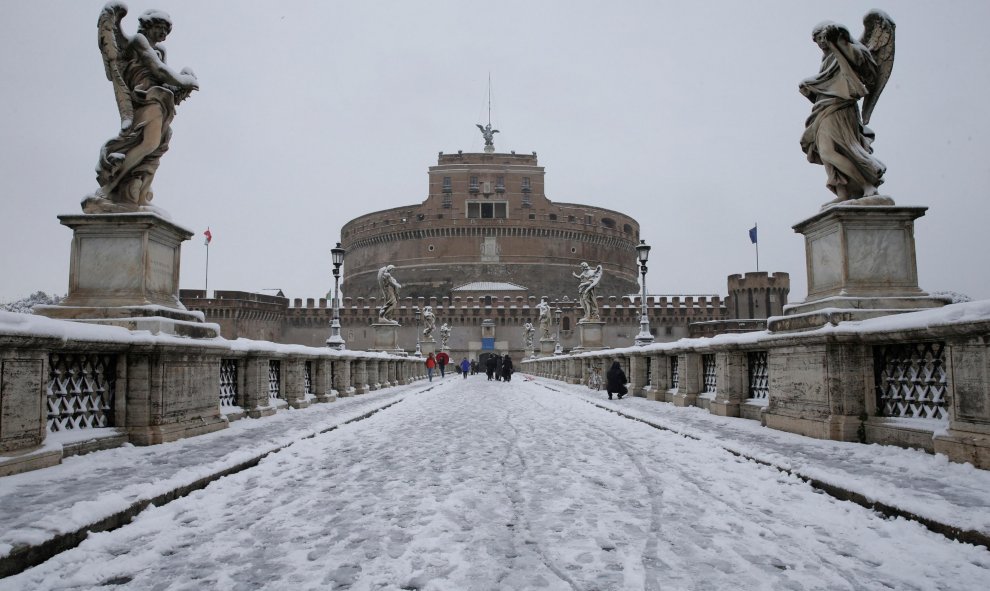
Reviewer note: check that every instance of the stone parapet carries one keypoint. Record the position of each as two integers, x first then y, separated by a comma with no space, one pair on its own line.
146,389
918,379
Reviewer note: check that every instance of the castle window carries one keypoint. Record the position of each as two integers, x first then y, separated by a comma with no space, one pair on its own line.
473,185
448,201
565,323
527,201
526,188
487,209
608,222
500,184
553,217
446,185
627,229
532,216
571,219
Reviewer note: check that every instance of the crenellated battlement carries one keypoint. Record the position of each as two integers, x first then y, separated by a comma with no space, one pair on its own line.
759,280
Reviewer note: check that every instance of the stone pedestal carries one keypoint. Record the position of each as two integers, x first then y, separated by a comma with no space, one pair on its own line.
591,334
547,347
427,347
124,270
386,337
860,263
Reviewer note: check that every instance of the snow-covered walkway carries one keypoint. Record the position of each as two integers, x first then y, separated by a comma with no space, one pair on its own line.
486,485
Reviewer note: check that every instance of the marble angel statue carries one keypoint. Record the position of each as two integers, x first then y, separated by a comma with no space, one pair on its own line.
147,92
836,134
590,278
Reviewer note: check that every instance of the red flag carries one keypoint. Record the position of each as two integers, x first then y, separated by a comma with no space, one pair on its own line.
209,236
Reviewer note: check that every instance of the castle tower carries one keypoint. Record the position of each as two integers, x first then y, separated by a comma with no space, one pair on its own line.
486,218
757,295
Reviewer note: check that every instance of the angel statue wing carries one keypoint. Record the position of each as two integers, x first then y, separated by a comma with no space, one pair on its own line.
112,41
596,279
878,37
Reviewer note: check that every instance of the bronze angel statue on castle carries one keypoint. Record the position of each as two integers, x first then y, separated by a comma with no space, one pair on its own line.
147,92
836,134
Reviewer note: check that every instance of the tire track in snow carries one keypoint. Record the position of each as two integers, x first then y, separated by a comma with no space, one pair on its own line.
515,496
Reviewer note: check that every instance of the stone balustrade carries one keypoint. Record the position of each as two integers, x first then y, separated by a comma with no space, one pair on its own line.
918,380
60,376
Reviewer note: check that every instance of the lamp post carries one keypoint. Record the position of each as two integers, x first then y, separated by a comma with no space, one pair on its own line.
644,337
417,314
557,349
336,341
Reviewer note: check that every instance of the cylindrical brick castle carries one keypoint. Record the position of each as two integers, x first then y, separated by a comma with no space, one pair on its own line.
487,219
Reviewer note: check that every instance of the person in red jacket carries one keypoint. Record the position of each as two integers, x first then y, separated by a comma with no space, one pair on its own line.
431,362
442,360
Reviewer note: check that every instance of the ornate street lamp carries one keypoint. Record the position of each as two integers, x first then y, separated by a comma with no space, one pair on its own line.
417,314
644,337
336,341
557,349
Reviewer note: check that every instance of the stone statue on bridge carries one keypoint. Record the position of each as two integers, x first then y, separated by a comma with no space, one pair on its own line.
835,134
444,336
429,322
528,332
590,278
545,320
390,295
147,91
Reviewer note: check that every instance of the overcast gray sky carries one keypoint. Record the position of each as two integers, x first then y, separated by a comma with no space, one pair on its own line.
685,115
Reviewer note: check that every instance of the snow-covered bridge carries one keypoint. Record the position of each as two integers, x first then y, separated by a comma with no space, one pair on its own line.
532,484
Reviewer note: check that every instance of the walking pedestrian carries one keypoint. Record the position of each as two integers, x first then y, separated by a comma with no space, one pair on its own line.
498,368
490,365
465,367
506,368
616,381
442,360
474,367
431,362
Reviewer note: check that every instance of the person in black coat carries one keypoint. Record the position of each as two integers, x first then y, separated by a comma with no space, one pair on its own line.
616,381
490,365
506,368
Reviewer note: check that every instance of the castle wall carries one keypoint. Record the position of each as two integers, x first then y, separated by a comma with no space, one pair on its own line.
240,314
670,318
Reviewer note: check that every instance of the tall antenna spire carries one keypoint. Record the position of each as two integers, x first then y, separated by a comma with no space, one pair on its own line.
487,132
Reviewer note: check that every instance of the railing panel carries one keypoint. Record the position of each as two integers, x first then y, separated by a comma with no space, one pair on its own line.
675,378
709,367
308,377
759,375
81,390
228,382
274,379
911,381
